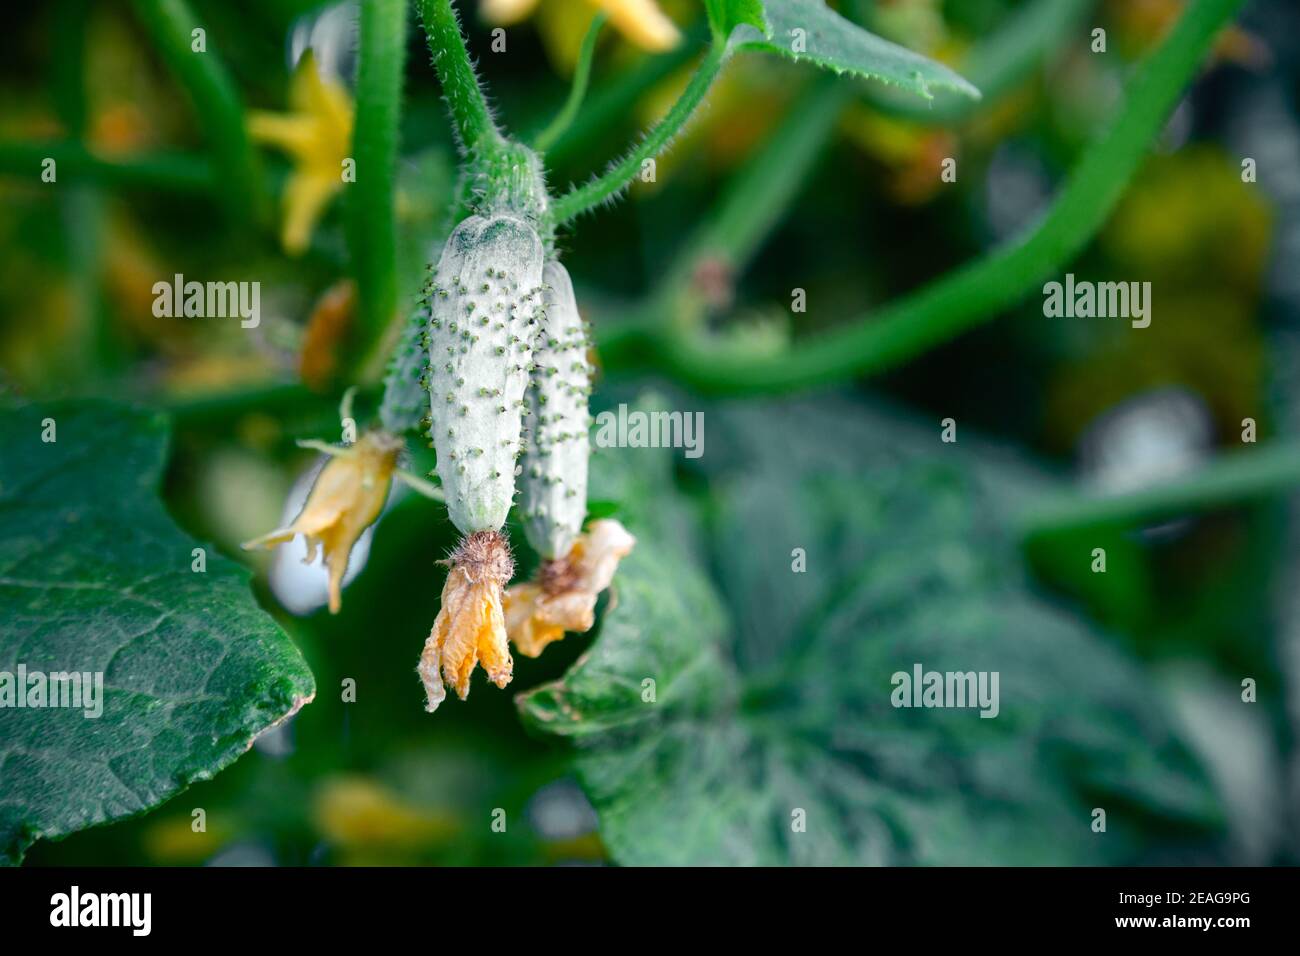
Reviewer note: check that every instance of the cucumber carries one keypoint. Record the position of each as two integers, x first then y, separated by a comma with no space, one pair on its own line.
484,310
553,478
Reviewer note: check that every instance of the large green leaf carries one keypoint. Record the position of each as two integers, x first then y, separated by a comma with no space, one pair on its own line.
808,30
95,577
773,688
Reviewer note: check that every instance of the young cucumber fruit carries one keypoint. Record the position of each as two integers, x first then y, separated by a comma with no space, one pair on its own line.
553,478
485,306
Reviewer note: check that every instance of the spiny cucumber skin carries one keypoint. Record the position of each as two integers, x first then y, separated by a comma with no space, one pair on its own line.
485,303
553,481
406,401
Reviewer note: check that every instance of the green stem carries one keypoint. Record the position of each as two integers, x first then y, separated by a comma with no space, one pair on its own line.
81,207
1229,479
210,408
216,102
475,127
980,290
581,75
169,172
371,220
579,200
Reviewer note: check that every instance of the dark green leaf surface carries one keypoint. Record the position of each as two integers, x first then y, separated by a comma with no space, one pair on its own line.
773,687
808,30
95,577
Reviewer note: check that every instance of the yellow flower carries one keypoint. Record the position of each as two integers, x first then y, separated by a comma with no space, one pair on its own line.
564,597
470,627
359,813
317,135
641,21
347,497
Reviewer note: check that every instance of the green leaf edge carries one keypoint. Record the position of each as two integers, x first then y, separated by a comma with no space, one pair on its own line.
745,34
303,693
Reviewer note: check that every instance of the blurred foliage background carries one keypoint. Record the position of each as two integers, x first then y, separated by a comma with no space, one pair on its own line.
1199,601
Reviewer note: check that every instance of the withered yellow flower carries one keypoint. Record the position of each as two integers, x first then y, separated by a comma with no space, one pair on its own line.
564,596
347,497
470,627
317,135
641,21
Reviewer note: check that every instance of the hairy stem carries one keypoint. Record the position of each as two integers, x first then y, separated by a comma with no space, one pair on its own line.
620,174
475,127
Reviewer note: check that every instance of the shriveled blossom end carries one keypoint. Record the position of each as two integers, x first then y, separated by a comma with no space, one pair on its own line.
347,497
470,628
564,596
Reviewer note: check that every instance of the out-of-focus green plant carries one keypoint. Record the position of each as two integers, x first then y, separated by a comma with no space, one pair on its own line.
175,30
498,175
978,291
372,203
751,691
744,717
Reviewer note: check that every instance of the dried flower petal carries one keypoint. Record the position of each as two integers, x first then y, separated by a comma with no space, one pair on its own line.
598,553
470,627
564,599
348,496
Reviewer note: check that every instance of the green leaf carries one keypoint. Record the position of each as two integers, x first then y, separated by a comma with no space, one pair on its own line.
772,688
809,30
95,577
